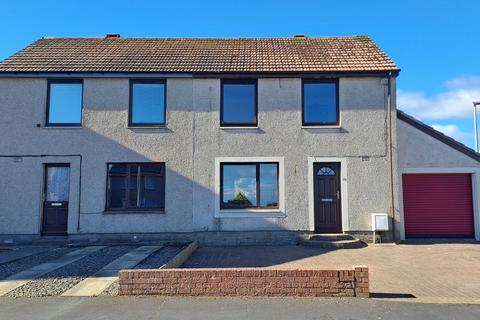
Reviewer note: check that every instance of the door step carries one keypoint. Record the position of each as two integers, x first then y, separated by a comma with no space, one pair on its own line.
51,240
331,241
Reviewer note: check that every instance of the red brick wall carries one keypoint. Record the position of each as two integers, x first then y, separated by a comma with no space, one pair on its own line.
245,282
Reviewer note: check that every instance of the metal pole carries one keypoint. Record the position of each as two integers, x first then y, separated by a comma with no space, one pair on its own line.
475,104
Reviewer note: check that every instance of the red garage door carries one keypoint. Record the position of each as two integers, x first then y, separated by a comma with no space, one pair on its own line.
438,205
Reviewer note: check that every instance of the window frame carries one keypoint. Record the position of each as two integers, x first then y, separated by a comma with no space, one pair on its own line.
337,104
238,81
47,113
133,209
130,103
257,182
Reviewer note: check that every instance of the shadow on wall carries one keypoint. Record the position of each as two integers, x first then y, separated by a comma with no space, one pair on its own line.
188,191
183,195
105,138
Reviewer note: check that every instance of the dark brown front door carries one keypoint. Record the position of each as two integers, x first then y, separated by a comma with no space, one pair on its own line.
55,203
326,189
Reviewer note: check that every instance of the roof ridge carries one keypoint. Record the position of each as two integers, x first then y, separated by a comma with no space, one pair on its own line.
211,38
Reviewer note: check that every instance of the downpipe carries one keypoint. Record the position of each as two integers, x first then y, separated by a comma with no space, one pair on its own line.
390,142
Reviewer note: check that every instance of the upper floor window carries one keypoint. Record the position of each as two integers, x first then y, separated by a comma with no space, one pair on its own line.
147,103
64,103
320,102
239,103
136,186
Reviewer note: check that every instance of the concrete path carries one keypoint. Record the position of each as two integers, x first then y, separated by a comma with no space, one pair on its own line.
94,285
21,278
231,308
7,256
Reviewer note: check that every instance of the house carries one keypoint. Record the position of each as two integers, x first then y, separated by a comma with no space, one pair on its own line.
225,140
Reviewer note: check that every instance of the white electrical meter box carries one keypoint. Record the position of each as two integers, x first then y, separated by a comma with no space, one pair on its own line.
379,222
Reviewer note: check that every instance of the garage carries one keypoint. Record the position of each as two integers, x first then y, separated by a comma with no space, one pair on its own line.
438,205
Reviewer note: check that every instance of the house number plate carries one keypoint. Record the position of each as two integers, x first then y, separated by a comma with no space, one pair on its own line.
327,200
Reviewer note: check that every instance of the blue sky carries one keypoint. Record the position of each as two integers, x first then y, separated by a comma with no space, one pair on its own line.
435,43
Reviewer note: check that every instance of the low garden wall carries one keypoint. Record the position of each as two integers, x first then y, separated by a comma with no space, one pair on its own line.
245,282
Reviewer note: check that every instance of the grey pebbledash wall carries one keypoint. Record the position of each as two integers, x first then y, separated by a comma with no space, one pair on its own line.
189,145
418,152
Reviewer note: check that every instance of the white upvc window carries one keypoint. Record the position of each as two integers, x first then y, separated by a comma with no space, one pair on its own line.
249,187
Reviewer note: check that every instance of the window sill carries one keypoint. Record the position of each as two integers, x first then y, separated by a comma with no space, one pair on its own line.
160,126
323,127
62,127
240,127
250,213
113,212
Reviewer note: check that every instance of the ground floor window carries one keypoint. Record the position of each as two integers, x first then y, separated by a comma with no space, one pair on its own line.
249,185
136,186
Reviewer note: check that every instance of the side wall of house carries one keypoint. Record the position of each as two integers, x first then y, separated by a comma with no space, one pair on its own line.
417,149
419,152
189,146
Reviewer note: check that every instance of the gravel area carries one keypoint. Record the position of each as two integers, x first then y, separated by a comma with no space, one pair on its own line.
60,280
112,290
153,261
10,268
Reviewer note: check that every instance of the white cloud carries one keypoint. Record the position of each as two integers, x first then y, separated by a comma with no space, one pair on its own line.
464,82
455,101
455,132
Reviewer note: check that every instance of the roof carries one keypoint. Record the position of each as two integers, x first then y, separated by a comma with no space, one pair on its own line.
201,55
438,135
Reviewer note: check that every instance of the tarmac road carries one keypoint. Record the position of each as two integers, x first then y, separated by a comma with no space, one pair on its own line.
138,308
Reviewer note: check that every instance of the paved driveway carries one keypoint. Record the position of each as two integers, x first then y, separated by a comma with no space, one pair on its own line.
423,272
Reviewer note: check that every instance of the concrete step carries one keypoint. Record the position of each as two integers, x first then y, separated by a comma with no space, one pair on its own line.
329,237
51,241
331,241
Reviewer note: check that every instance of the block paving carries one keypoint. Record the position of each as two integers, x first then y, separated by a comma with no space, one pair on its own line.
437,271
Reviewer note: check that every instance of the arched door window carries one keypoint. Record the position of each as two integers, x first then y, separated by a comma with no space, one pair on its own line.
325,171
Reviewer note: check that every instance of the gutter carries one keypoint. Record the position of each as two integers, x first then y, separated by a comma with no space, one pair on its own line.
93,74
229,75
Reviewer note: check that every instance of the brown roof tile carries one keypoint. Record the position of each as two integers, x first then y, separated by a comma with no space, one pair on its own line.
330,54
